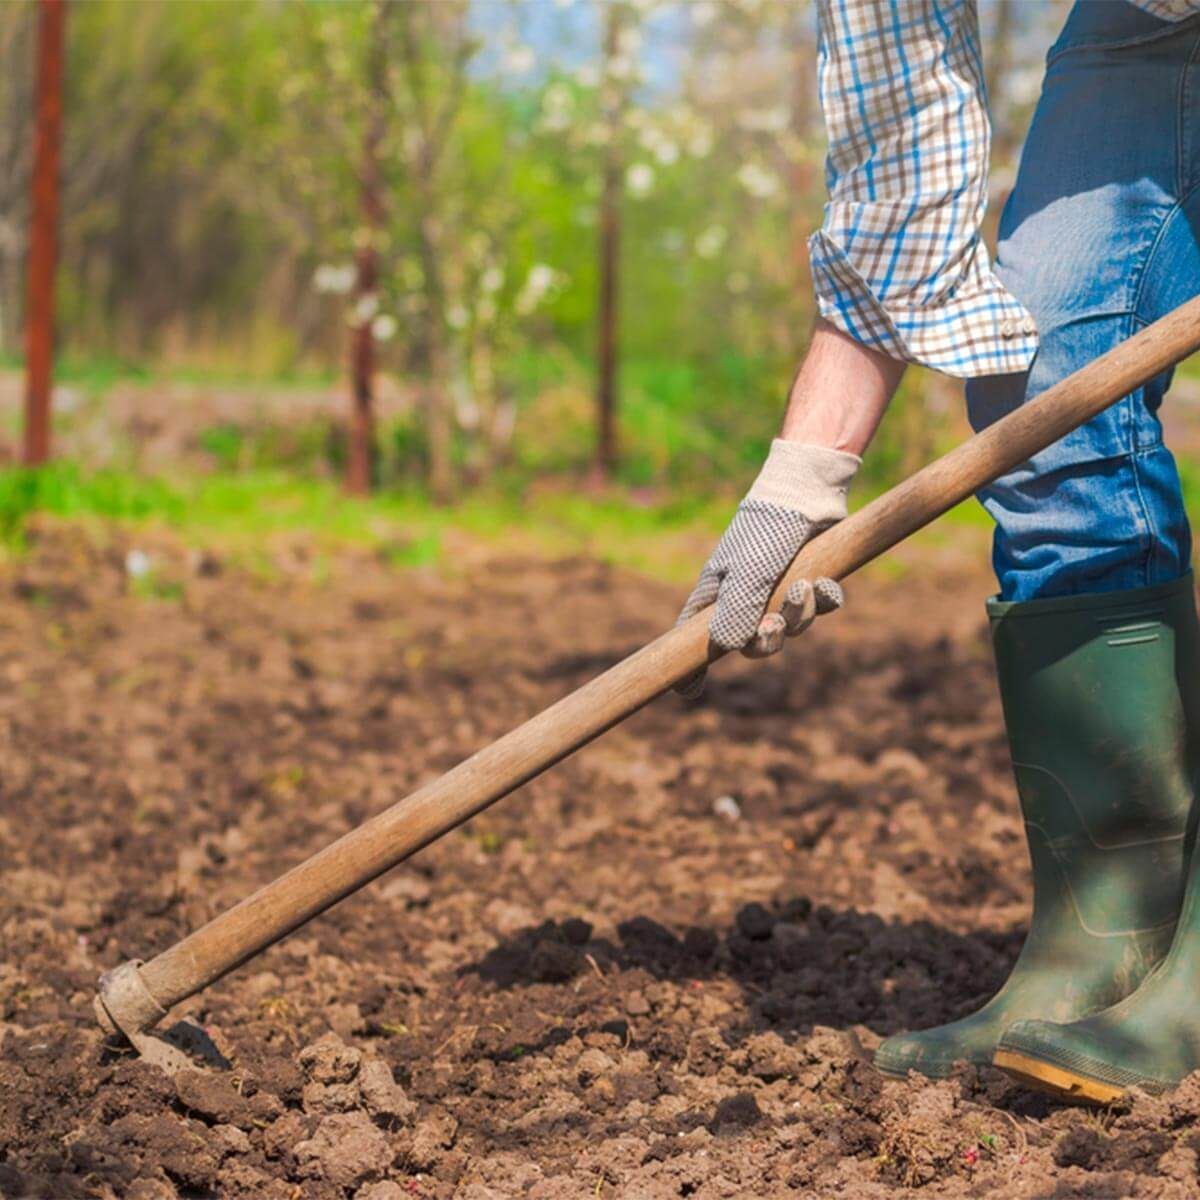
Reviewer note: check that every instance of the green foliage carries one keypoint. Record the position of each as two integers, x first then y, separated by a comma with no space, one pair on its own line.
62,489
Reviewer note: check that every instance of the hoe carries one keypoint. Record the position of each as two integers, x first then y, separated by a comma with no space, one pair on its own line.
134,997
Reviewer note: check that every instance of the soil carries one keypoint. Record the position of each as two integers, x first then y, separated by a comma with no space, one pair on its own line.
657,971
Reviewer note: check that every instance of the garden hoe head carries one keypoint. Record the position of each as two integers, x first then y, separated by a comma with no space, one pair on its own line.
137,995
126,1009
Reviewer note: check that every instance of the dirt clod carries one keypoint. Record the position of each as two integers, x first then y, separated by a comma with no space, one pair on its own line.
346,1149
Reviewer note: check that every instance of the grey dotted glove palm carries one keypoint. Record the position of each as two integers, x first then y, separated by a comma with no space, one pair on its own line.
800,491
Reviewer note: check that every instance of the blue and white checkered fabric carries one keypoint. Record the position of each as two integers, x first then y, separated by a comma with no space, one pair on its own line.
899,263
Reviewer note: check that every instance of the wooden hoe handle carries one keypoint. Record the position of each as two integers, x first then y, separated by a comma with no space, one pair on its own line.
136,995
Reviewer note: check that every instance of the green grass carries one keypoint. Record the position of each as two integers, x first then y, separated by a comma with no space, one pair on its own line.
96,373
240,513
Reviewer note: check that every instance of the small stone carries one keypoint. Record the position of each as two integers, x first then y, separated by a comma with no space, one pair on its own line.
330,1060
412,891
265,983
346,1149
755,922
636,1004
727,808
344,1019
382,1095
229,1139
265,1106
592,1064
385,1189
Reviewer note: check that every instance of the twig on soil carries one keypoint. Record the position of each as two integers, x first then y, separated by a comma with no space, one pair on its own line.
595,965
1020,1132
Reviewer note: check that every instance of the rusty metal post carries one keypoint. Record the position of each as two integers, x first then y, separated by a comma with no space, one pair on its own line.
43,236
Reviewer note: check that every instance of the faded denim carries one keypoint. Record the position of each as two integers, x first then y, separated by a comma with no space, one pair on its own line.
1100,236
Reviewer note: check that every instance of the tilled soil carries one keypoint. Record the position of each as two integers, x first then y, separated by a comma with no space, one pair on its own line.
657,971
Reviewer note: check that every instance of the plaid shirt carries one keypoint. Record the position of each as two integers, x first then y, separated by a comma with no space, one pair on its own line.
899,263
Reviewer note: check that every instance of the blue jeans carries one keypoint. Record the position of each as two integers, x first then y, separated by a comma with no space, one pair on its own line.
1100,236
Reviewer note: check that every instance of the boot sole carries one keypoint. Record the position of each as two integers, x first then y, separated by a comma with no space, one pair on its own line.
1044,1077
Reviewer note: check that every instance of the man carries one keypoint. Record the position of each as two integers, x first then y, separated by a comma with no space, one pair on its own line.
1094,627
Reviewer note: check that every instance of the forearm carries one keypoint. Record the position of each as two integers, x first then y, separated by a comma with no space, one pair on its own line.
840,393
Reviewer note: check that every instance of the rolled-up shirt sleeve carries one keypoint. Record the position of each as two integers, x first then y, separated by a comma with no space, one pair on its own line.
899,262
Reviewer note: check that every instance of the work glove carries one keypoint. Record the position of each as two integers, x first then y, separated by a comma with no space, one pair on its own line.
800,491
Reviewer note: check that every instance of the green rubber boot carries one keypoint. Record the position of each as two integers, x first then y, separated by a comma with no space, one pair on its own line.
1150,1039
1101,703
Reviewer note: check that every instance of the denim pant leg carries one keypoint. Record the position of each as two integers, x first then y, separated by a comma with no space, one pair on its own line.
1099,237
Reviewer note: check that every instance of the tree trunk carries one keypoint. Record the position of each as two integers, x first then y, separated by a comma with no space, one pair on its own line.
43,239
438,428
360,451
610,252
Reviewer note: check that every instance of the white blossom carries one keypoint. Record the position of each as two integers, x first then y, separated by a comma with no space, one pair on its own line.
629,40
384,327
492,280
666,152
621,66
538,284
766,120
709,243
758,181
466,410
558,98
365,308
137,564
555,122
520,59
640,179
334,279
700,143
457,316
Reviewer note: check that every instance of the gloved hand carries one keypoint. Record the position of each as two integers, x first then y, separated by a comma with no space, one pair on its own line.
800,490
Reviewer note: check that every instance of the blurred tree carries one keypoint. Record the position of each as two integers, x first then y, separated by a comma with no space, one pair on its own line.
360,456
435,47
43,237
615,74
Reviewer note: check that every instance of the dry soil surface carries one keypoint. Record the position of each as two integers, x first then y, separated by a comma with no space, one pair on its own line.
657,971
